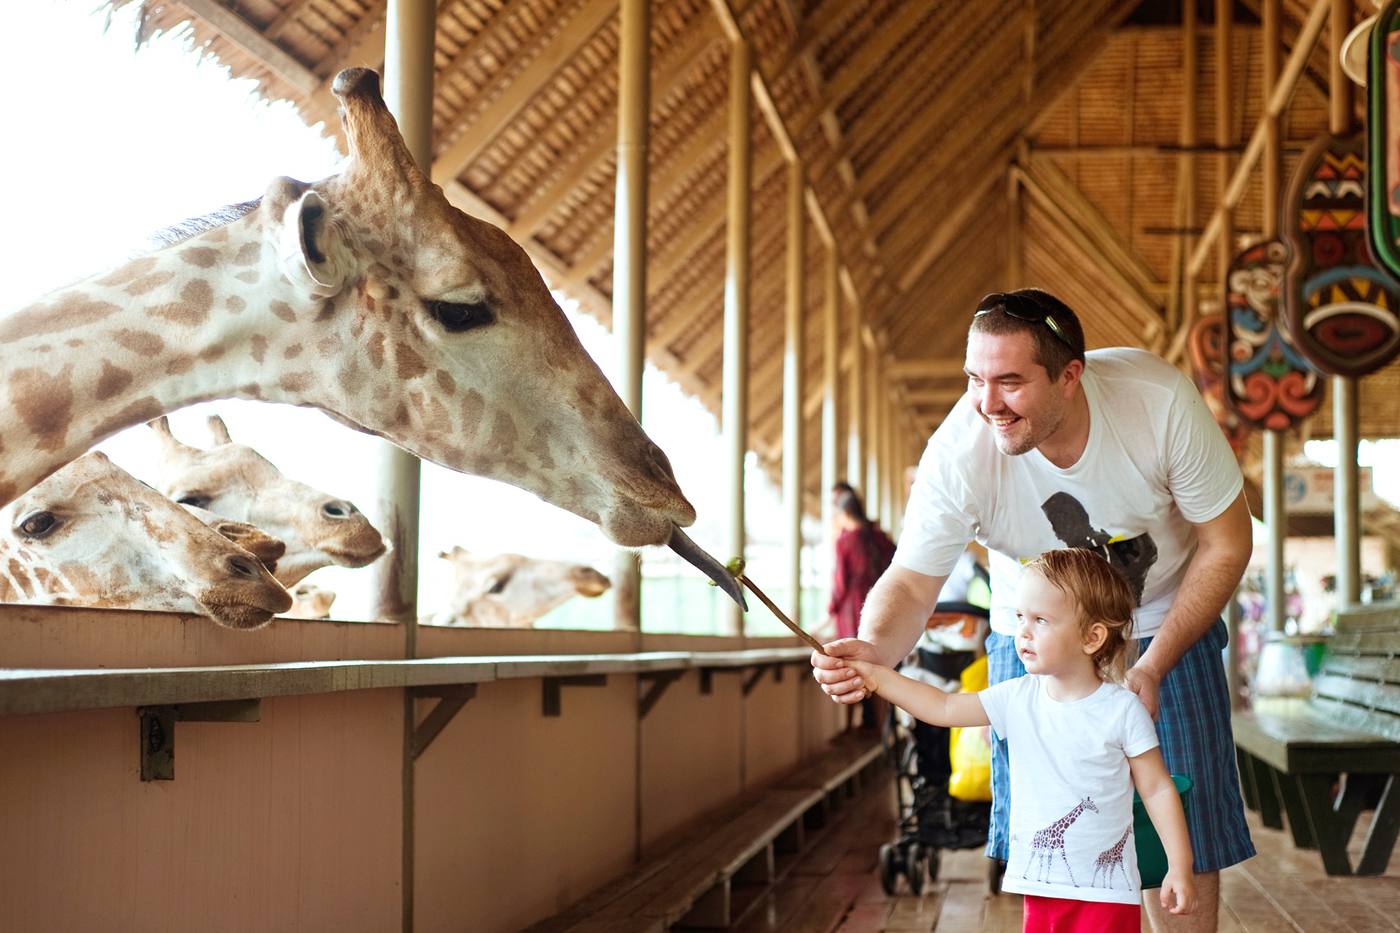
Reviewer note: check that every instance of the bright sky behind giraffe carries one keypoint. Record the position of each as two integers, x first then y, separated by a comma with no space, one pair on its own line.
120,143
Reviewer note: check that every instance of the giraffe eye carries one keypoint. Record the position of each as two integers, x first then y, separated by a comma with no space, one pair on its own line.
456,317
498,585
198,501
39,524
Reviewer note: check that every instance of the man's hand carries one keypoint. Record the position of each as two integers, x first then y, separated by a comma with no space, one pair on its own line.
843,684
1146,684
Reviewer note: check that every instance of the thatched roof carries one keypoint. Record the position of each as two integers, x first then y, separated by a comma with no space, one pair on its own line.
912,119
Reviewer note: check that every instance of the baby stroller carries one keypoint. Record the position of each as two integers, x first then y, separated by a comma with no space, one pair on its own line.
930,819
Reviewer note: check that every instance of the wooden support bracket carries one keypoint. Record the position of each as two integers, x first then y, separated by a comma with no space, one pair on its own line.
657,682
451,698
752,679
552,686
157,736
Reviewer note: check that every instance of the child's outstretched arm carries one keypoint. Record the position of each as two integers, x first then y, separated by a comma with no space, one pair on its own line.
1159,796
924,702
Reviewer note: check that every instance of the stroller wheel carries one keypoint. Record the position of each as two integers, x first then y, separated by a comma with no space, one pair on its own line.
916,868
890,864
935,859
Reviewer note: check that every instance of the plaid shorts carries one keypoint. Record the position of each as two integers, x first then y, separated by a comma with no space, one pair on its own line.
1194,730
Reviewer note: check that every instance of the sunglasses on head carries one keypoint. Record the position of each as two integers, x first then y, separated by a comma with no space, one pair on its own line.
1023,308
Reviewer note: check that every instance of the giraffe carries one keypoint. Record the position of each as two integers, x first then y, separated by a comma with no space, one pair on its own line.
1112,858
366,295
237,482
1051,839
91,534
514,591
267,549
310,601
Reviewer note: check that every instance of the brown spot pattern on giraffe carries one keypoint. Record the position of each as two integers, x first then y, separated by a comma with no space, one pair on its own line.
45,403
446,383
140,342
376,350
283,310
258,344
408,364
250,277
196,298
132,270
292,352
148,283
235,304
295,382
202,256
248,254
71,313
113,380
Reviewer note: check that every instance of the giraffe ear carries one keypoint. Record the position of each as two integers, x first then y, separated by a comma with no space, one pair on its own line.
312,247
218,430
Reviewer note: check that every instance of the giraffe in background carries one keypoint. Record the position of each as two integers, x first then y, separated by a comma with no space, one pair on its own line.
369,296
1112,858
1051,840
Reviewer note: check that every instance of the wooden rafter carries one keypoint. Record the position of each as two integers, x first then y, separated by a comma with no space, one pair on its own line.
251,41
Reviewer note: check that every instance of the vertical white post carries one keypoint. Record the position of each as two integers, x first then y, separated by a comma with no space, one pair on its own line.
794,363
735,388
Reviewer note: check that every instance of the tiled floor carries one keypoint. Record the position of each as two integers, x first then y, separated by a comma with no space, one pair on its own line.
835,887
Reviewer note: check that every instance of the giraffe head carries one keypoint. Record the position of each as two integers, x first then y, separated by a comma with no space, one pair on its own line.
514,591
93,535
238,483
434,329
310,601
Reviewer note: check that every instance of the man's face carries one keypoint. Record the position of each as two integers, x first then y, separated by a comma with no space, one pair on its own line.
1013,393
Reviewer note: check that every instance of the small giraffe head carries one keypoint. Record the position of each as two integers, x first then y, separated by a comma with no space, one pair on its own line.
238,483
432,328
93,535
511,590
310,601
1088,804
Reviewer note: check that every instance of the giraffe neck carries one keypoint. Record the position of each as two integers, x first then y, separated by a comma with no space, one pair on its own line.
1073,815
125,346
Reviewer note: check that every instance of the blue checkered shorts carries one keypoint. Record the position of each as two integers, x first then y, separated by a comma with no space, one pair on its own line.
1194,730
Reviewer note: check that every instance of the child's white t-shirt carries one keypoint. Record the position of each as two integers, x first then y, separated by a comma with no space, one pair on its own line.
1071,790
1154,463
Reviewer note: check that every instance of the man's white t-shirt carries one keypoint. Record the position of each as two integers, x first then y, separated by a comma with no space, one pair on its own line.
1071,789
1155,462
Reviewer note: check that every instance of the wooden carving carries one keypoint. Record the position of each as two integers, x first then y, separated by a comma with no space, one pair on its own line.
1206,344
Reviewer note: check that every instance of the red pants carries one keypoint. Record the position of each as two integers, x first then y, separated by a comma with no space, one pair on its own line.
1062,915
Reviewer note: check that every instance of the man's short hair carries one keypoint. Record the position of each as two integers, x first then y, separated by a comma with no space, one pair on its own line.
1054,347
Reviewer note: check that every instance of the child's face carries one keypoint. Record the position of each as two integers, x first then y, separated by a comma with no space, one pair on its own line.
1048,635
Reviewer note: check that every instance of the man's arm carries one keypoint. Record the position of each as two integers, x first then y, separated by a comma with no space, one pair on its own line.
895,613
1223,547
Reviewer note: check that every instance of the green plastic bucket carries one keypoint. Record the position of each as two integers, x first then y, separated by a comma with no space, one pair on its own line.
1151,857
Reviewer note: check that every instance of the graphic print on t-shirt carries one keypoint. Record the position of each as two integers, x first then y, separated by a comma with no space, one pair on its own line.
1112,858
1051,840
1132,557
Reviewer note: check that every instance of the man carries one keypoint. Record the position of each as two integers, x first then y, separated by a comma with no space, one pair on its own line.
1114,450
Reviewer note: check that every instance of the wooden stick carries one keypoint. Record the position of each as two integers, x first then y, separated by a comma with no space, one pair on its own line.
808,639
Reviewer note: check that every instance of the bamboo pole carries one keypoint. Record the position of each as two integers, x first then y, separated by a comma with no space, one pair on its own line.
855,420
1275,514
872,432
1346,505
794,364
1224,29
630,258
735,390
1186,162
408,91
831,387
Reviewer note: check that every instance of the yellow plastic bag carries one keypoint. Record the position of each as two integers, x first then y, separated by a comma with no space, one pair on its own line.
970,748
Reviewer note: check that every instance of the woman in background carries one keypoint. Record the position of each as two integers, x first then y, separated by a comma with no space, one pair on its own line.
863,552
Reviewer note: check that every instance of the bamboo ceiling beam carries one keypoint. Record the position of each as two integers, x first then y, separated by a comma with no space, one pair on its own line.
949,227
675,67
858,68
945,367
362,43
811,31
1278,100
476,133
243,34
932,398
282,20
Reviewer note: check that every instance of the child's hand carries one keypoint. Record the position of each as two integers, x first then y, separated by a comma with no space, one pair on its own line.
869,674
1178,892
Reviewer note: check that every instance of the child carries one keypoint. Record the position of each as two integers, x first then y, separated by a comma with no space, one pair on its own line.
1078,744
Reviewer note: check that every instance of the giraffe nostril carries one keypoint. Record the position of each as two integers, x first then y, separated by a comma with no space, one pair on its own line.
242,567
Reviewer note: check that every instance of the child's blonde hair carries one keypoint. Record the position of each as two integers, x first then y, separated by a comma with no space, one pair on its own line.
1102,596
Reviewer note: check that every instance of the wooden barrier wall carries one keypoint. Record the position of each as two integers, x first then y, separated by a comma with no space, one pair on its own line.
295,822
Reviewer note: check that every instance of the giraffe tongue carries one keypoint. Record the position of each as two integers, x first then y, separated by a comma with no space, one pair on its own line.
680,543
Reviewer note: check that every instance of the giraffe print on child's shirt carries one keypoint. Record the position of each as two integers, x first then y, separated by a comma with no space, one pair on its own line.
1051,840
1112,858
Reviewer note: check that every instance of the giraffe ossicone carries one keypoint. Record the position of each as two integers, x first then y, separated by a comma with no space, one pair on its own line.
92,534
367,295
